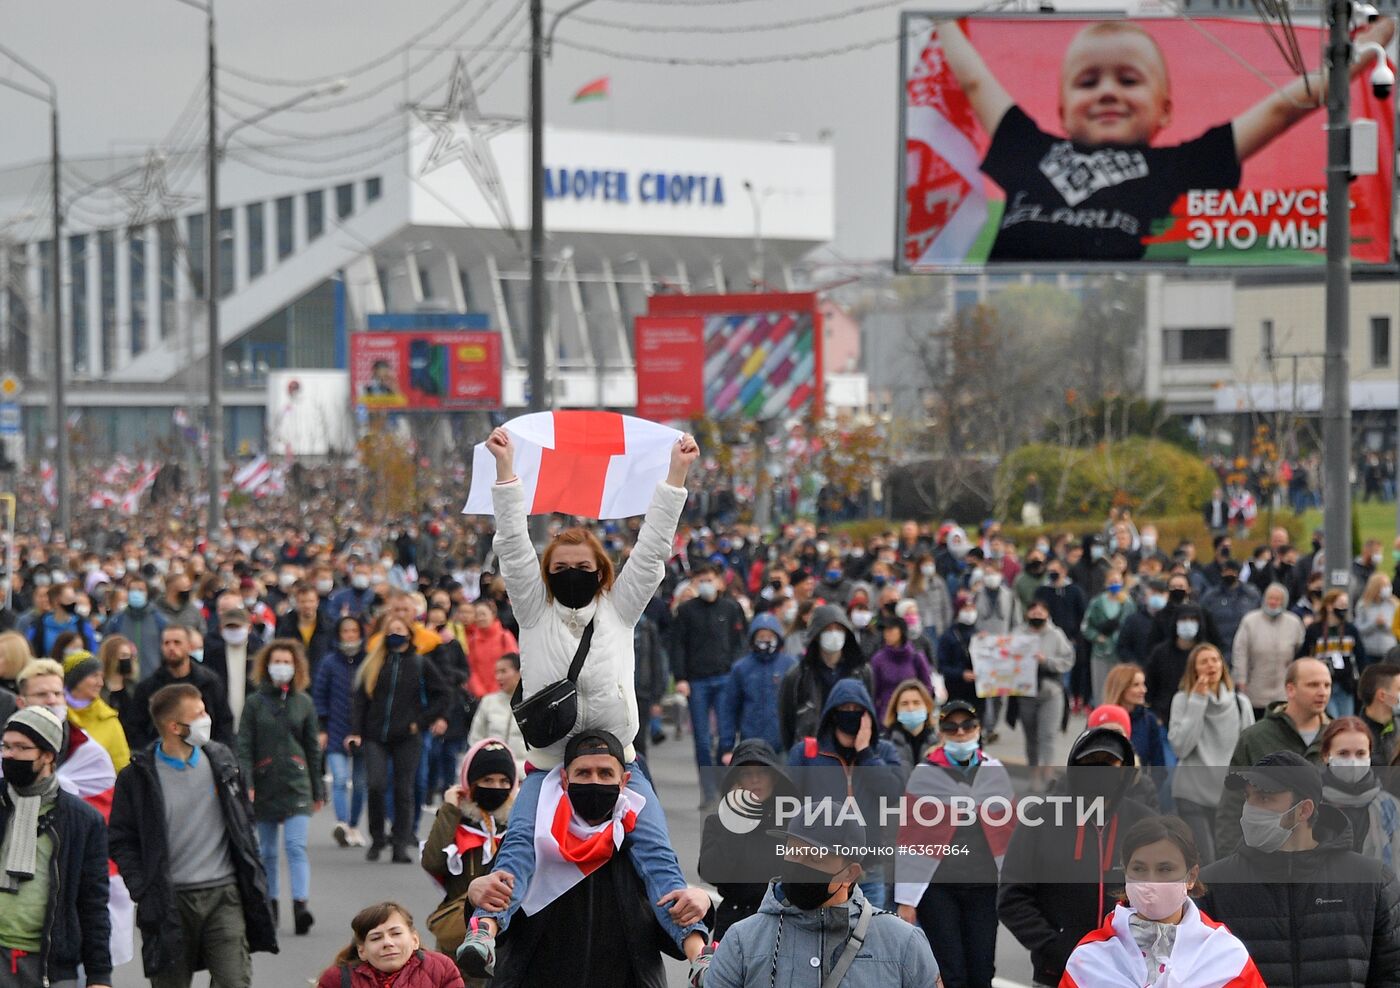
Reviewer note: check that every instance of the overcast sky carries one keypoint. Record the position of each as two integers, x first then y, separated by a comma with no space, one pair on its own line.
126,69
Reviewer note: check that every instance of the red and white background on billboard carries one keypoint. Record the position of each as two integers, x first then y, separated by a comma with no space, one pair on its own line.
1201,170
670,353
428,370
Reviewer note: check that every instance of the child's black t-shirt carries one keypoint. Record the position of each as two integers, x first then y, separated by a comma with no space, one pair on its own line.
1066,202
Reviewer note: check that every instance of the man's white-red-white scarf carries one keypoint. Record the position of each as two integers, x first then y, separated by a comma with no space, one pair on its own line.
1206,955
567,850
87,772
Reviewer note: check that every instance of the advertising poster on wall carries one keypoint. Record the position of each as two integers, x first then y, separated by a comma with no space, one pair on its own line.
426,370
1162,141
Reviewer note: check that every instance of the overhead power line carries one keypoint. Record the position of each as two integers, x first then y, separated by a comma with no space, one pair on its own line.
731,62
645,27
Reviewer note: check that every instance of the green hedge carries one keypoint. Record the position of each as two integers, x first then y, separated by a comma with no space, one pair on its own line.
1153,478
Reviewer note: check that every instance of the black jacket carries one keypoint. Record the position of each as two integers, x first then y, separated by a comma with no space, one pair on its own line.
1058,882
804,689
1325,918
140,847
140,732
322,639
77,929
1066,604
706,638
216,658
408,696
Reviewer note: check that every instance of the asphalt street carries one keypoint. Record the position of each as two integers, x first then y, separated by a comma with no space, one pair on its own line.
342,881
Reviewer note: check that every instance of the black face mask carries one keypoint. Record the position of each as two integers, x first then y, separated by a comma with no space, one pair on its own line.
1036,622
574,587
847,721
1176,596
804,886
593,801
1340,613
20,774
124,667
1035,569
765,647
490,799
1228,579
183,596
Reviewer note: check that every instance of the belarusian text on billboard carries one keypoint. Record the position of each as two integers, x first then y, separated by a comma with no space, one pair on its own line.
1163,141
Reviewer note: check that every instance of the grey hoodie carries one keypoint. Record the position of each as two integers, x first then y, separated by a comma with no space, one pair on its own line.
896,954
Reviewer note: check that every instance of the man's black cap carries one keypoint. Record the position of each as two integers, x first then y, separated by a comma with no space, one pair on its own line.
593,743
1280,771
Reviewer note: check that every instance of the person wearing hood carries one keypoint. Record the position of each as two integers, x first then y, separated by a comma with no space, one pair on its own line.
1156,927
930,595
816,927
1091,572
279,752
1040,715
847,738
751,697
896,661
466,834
1310,910
911,723
1350,783
953,897
738,864
833,654
950,560
1166,663
1058,879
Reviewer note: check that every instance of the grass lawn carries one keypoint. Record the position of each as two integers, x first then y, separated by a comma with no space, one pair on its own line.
1376,521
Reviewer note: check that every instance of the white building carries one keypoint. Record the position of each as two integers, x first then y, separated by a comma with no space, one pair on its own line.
437,223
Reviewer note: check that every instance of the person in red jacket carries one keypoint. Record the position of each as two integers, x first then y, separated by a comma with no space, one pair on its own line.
487,640
386,950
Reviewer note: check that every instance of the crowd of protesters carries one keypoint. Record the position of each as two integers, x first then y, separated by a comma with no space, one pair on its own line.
185,706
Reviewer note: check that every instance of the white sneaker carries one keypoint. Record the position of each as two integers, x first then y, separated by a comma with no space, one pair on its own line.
356,838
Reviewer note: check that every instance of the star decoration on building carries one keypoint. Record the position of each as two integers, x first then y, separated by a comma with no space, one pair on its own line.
152,199
462,133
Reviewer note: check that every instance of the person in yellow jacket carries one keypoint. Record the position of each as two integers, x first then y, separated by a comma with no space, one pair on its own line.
82,687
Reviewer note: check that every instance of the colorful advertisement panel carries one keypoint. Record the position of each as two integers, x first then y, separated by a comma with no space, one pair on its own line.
727,356
426,370
1159,141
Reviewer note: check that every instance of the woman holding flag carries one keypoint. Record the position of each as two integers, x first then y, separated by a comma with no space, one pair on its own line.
570,603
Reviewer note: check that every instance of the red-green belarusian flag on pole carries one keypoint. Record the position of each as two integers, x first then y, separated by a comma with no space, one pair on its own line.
595,90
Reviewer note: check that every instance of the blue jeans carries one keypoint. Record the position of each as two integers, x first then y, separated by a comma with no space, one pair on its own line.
347,786
650,850
1341,704
294,836
442,763
706,695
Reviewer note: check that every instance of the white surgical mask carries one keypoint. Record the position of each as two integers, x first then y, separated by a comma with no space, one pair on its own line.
790,614
1262,830
927,570
286,580
1349,769
1157,900
249,603
967,616
992,581
281,673
324,587
200,731
706,591
861,619
1149,542
1186,630
236,636
833,641
360,581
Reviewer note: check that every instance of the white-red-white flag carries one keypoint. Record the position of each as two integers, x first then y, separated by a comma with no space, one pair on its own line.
49,483
591,464
253,475
131,500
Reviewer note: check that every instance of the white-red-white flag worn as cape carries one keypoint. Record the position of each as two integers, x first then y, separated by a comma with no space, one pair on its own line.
591,464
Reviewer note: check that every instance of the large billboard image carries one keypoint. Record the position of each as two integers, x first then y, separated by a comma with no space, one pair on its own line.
728,356
427,370
1167,141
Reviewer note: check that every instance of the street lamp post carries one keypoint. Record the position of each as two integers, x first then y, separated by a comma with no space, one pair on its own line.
58,384
757,199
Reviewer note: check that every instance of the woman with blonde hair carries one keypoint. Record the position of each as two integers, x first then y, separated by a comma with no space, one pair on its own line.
397,695
386,950
1375,616
1126,686
1208,716
279,751
911,723
14,656
120,671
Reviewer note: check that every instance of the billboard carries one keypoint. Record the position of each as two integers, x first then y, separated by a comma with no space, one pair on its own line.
727,356
1159,141
426,369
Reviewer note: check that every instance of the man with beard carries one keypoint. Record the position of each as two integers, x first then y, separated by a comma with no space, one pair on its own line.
176,667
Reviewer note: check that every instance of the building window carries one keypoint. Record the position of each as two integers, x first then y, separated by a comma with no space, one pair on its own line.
256,233
194,248
344,201
1380,341
374,188
1266,338
226,275
17,308
169,237
425,284
107,272
45,272
77,301
315,214
136,283
286,232
1196,346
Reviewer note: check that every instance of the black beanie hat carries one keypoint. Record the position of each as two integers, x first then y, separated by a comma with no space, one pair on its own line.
492,758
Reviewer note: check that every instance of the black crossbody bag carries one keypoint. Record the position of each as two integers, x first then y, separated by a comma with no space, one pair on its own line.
549,715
